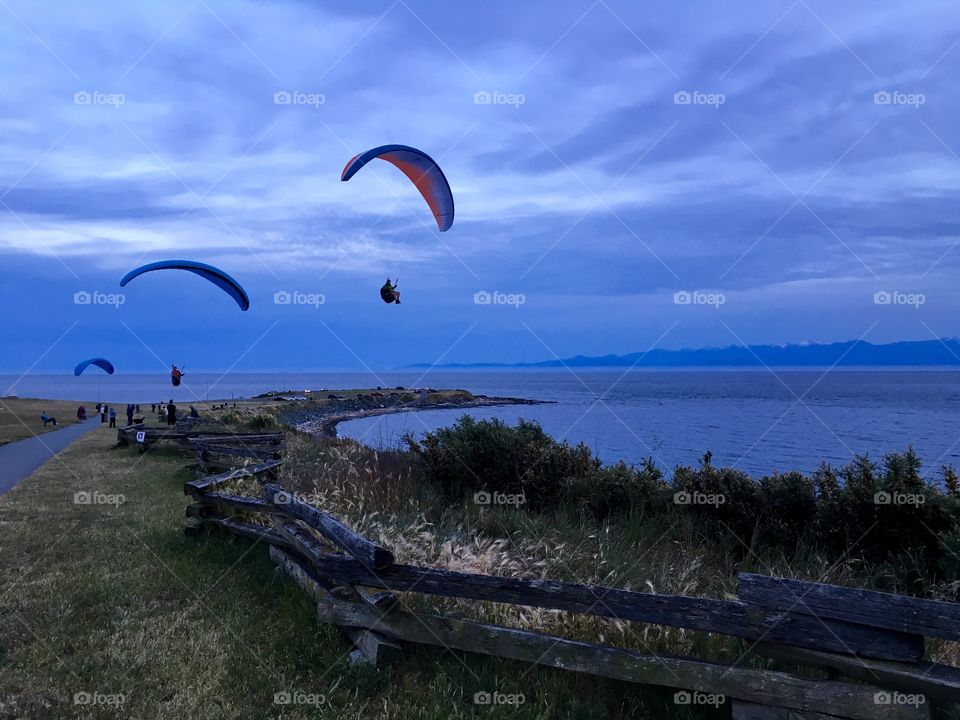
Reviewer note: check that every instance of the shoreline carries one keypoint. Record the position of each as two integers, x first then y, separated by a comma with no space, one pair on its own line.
324,419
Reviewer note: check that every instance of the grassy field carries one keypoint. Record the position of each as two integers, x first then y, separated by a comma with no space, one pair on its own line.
110,611
20,417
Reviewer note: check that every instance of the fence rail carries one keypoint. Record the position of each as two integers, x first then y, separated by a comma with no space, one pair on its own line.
875,640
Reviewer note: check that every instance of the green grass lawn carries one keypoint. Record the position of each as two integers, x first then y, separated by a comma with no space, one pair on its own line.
108,601
20,417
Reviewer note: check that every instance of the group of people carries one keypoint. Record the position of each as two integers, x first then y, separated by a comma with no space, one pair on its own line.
167,411
107,413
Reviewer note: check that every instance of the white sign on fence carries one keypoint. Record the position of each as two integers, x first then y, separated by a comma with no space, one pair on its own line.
141,436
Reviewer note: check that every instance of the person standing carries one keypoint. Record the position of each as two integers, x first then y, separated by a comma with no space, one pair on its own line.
171,413
113,418
130,414
103,413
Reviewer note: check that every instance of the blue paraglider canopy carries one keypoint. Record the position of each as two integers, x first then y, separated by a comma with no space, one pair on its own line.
422,171
101,363
208,272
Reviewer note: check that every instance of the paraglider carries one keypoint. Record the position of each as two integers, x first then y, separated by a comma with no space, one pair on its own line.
389,293
176,375
422,171
101,363
208,272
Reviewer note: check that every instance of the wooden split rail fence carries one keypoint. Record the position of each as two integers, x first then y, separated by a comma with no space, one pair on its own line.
875,639
210,443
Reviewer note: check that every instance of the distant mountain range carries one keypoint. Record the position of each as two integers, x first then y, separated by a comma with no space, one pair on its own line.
945,351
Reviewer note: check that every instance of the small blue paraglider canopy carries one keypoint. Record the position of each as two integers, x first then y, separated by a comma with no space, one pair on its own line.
208,272
101,363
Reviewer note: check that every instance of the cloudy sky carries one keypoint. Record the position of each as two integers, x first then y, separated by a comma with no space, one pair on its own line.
776,163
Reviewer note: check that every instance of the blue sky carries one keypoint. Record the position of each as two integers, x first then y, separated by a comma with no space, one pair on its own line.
814,166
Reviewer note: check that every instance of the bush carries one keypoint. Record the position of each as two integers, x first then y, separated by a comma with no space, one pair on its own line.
489,455
231,417
262,421
788,502
721,500
886,514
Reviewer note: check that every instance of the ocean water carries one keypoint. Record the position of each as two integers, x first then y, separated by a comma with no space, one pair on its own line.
754,420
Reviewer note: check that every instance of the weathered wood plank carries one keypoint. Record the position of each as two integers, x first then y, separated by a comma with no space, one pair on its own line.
758,686
384,600
204,466
309,547
368,553
237,503
254,532
750,711
198,510
930,618
715,616
372,648
939,682
184,434
211,481
232,439
304,545
205,450
316,586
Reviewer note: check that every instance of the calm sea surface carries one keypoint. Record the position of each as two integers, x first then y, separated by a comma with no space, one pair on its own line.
754,420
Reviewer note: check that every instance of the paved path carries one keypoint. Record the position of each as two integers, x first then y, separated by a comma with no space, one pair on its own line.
19,459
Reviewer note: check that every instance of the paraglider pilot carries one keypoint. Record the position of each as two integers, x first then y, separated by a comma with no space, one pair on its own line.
389,293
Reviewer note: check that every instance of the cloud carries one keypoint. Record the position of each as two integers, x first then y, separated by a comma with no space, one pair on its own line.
584,178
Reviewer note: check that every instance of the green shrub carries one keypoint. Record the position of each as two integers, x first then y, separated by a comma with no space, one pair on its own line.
886,514
788,503
491,456
231,417
722,500
262,421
